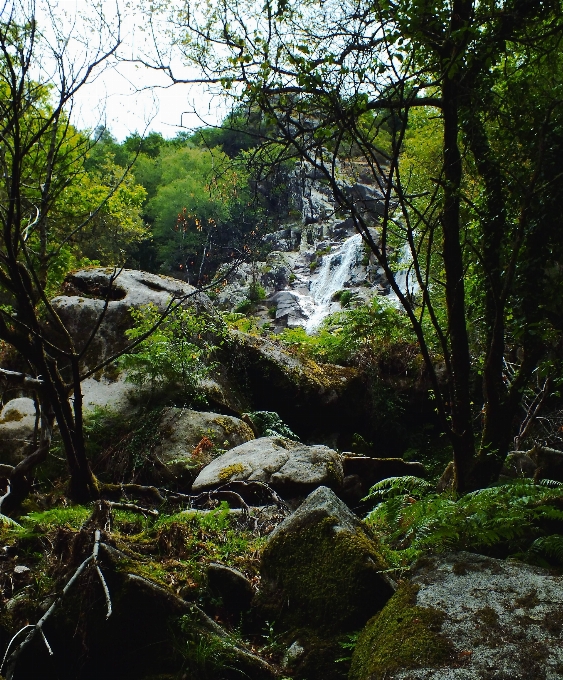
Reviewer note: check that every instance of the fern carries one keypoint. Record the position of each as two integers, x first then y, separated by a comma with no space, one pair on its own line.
549,546
396,486
505,518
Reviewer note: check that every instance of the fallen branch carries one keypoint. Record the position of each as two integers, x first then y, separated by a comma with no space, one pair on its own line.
20,379
11,659
133,508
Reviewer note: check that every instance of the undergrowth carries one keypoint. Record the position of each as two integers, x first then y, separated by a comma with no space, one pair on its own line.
522,519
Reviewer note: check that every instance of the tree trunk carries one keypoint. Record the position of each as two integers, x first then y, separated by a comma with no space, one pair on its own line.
461,430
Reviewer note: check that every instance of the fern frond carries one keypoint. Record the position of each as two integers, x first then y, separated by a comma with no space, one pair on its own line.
551,546
550,483
398,486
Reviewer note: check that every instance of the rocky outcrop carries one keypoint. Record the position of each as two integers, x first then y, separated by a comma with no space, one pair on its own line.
87,290
289,467
311,398
467,617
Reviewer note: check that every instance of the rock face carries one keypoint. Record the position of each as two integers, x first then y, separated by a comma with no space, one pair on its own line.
467,617
289,467
17,424
191,439
87,291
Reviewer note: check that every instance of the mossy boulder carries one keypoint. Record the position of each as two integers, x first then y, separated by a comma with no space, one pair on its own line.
466,616
321,570
318,402
403,635
192,439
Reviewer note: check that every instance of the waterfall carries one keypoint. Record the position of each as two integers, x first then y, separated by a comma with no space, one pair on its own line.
406,280
333,272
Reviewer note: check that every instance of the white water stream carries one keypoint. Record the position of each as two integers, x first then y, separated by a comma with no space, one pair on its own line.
333,272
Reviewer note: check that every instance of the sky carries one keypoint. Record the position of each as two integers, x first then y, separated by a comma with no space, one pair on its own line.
129,97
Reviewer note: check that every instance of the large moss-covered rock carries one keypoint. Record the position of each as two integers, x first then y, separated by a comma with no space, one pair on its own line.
321,570
401,636
467,617
288,466
314,400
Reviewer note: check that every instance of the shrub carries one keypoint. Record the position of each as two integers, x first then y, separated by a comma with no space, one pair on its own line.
177,352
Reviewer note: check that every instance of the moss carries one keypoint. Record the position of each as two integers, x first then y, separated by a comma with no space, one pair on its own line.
328,577
231,471
12,416
232,427
403,635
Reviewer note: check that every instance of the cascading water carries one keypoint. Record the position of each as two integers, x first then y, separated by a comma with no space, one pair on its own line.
405,278
334,270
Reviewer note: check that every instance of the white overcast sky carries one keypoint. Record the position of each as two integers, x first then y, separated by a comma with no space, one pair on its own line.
117,99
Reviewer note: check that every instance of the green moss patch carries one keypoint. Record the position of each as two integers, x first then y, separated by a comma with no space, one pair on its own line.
402,635
323,577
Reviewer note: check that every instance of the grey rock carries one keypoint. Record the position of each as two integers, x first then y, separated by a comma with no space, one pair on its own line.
293,654
183,429
508,615
86,291
17,425
287,466
517,465
320,504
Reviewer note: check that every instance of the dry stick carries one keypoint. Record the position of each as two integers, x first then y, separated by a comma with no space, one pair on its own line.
133,508
91,559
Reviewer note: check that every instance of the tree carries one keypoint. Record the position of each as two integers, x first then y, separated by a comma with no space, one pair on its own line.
42,162
343,79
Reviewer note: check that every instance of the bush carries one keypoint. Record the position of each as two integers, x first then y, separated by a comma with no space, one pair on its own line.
177,352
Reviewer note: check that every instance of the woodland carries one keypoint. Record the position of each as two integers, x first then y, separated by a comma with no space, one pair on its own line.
282,396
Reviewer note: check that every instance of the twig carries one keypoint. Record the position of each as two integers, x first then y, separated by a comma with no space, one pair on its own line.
38,627
133,508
